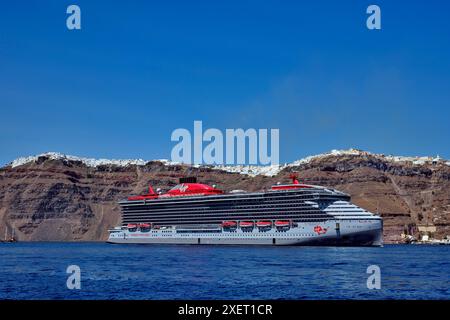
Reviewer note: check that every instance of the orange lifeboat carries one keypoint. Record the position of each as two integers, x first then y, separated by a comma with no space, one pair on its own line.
229,224
281,223
145,225
264,224
132,227
246,224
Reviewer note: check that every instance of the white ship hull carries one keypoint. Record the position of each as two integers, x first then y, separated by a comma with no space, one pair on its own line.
336,232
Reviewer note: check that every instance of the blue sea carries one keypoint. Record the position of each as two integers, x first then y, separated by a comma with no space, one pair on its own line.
33,270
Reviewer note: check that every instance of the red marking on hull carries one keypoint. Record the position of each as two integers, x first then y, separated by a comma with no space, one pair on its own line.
319,230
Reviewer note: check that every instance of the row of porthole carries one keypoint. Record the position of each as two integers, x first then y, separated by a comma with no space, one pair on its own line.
161,231
257,232
247,235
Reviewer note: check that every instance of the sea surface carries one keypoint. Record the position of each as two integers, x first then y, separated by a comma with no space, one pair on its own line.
37,270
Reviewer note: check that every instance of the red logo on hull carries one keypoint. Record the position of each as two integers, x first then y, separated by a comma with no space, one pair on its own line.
320,230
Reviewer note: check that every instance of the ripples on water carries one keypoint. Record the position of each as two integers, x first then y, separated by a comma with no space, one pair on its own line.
38,271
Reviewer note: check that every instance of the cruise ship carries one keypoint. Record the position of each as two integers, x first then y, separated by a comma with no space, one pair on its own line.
286,214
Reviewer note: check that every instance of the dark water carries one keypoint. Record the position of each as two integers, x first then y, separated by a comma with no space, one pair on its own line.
38,271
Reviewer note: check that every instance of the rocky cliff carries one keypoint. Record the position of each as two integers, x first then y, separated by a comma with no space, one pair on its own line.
57,197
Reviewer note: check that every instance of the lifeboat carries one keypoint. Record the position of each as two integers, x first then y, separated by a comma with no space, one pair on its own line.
246,224
263,224
281,223
229,224
145,225
132,227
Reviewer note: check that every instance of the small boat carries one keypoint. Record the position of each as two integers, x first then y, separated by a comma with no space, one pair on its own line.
246,224
282,223
264,224
145,227
229,224
132,227
9,239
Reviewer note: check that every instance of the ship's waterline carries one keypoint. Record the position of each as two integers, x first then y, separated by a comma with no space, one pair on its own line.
292,214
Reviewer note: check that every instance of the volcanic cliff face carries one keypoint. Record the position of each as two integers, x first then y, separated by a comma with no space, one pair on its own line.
62,198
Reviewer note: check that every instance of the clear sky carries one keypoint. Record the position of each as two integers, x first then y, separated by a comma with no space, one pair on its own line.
140,69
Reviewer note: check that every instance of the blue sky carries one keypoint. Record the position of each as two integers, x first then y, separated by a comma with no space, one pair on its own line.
140,69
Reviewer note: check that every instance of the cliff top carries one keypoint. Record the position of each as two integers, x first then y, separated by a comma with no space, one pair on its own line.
252,170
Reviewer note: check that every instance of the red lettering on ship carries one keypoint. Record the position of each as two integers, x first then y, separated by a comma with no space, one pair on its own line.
320,230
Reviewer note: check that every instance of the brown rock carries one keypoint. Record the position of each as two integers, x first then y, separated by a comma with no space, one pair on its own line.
50,199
